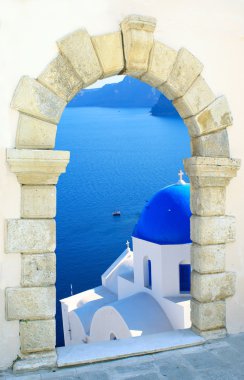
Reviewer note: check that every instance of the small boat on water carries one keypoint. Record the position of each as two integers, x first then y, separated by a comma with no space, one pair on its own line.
116,213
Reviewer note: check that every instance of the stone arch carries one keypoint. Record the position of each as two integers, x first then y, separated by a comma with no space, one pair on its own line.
81,61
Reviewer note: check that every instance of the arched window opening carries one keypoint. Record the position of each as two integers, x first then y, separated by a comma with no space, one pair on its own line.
147,273
113,336
98,148
185,277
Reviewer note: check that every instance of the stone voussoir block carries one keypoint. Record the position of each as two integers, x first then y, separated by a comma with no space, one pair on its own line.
38,269
213,118
60,77
30,303
37,167
38,202
208,201
212,287
30,236
34,133
211,171
208,258
208,316
138,41
37,336
196,98
184,72
78,49
32,98
161,61
212,229
109,49
211,145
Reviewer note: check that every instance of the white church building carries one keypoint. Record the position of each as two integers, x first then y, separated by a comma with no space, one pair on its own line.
147,290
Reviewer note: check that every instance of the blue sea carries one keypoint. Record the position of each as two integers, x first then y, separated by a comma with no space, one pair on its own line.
119,159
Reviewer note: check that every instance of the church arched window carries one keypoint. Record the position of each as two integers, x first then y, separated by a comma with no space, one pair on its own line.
113,336
147,273
185,277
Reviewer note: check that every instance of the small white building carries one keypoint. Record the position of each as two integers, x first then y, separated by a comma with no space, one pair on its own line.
146,291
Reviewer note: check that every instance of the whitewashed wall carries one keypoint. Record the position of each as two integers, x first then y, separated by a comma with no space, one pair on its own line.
212,30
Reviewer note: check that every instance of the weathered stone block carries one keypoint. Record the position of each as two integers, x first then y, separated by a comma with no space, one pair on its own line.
208,201
211,145
185,70
32,98
212,229
37,336
208,258
207,316
212,287
30,236
109,49
78,49
60,77
37,167
34,133
38,269
213,118
38,201
30,303
196,98
160,64
210,334
210,171
34,362
138,41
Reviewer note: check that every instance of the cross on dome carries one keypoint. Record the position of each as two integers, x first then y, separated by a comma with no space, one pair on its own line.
180,181
128,244
180,174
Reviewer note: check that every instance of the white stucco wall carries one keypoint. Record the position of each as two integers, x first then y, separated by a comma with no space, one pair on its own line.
212,30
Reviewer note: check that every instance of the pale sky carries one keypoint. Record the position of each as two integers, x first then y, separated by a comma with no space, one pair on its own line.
102,82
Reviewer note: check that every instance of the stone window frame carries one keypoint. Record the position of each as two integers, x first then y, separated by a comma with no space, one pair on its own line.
81,61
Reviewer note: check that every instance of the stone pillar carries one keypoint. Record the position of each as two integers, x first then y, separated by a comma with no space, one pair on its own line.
211,229
34,237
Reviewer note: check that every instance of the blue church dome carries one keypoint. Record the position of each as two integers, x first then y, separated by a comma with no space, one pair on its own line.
166,217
